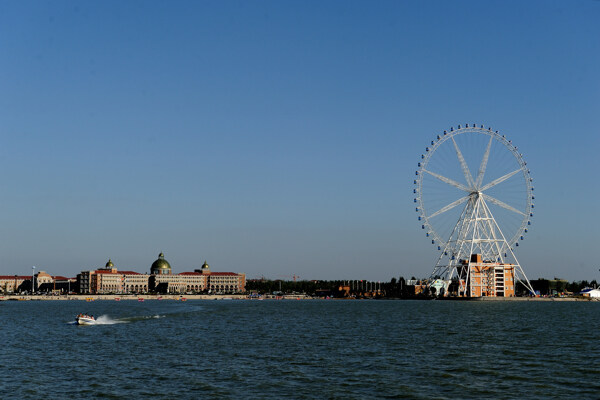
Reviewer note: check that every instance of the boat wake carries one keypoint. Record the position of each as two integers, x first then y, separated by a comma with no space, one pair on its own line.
107,320
141,318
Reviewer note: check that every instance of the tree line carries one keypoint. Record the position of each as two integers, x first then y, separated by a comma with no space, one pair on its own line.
395,288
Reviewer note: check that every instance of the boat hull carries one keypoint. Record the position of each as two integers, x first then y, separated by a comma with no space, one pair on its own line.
85,321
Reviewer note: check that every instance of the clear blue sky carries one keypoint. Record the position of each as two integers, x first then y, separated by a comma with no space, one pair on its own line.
281,137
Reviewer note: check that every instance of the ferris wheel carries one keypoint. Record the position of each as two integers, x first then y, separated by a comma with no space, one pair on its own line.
473,194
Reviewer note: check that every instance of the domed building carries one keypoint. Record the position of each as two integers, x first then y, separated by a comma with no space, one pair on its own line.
160,266
205,268
108,279
162,280
110,266
221,282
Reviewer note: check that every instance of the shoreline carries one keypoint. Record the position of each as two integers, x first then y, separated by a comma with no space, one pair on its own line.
130,297
536,299
184,297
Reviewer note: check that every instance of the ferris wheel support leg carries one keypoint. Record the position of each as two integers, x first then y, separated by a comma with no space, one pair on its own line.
520,275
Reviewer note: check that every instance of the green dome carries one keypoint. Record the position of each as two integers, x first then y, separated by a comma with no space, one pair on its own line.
205,265
160,266
109,264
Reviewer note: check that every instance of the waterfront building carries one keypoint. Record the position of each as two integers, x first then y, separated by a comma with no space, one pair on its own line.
194,281
201,280
589,292
490,279
62,284
134,282
160,280
110,280
14,283
43,279
160,266
222,282
44,282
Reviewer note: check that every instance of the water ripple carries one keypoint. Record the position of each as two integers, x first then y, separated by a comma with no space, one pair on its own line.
301,349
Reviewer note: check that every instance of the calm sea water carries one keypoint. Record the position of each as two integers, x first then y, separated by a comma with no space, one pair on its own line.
300,349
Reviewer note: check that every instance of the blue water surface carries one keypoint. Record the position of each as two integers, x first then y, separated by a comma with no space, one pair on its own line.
300,349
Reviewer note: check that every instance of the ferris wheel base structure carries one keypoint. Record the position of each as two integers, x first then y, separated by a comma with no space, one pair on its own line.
476,241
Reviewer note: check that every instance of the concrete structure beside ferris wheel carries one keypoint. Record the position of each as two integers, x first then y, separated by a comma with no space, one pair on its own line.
160,280
491,279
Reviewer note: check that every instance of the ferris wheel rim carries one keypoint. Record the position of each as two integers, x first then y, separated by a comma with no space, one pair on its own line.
449,135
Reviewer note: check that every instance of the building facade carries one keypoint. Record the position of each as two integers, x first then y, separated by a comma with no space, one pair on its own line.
160,280
14,283
490,279
44,283
222,282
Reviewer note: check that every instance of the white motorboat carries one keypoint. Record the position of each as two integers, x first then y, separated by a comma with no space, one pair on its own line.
84,319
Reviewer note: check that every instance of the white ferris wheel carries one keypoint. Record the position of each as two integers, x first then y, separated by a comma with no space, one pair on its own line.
474,195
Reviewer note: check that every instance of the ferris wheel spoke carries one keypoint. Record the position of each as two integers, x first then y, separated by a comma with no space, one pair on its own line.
448,181
449,206
463,164
500,180
484,162
502,204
